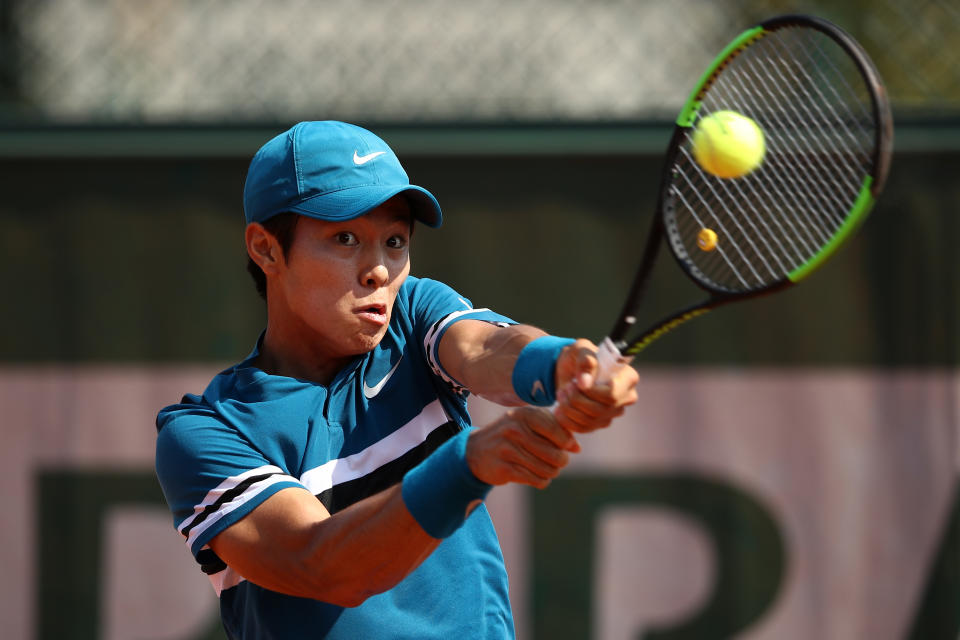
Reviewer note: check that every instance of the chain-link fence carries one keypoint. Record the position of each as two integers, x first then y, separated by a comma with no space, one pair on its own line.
120,61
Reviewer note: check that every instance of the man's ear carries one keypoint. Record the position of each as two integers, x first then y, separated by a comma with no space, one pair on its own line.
263,248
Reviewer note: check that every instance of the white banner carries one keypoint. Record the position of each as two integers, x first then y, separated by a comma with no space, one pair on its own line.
850,477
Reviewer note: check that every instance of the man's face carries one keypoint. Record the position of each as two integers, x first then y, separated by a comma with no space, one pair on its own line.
339,280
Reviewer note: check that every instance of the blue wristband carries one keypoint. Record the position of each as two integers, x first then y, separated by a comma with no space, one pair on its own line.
534,374
438,491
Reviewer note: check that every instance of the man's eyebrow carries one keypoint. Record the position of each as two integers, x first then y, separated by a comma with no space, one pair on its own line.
401,216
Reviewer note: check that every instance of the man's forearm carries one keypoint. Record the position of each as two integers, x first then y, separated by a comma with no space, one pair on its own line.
481,357
289,544
378,543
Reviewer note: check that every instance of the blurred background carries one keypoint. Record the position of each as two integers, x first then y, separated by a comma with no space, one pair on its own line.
791,469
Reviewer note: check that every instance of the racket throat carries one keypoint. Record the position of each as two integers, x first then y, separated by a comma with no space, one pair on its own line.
627,320
665,326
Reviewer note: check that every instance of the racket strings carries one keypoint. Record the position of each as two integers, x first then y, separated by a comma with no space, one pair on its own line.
747,254
820,58
806,176
794,190
829,124
839,151
807,173
730,260
812,104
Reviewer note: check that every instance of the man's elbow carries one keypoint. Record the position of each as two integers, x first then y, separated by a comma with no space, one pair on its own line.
349,598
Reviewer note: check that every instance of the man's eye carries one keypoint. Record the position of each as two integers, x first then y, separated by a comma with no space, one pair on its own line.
345,237
397,242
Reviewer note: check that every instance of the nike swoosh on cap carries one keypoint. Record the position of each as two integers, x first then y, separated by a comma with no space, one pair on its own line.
362,160
371,392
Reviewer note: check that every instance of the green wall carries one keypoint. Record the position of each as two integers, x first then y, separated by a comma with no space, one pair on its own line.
142,260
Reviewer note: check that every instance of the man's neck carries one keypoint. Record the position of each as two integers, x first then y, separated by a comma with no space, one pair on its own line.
294,357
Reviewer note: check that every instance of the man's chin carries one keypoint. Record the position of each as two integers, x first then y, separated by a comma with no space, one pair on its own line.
365,343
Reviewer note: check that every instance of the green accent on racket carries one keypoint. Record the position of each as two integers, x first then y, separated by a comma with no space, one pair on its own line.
859,213
689,111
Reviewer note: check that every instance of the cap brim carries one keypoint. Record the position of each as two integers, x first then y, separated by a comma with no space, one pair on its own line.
346,204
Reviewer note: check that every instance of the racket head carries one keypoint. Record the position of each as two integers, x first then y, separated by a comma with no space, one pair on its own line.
827,127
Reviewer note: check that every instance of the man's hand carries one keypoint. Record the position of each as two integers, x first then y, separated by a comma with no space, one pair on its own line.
583,405
525,445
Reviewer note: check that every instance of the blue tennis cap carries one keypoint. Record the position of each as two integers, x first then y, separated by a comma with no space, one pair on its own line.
330,171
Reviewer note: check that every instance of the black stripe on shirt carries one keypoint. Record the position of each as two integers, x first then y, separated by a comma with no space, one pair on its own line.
225,498
344,494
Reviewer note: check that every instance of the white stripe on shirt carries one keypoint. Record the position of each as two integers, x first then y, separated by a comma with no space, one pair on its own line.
410,435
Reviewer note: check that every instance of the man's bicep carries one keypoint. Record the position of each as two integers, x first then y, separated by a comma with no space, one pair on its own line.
270,545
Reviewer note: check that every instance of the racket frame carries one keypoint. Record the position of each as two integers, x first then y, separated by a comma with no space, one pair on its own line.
616,347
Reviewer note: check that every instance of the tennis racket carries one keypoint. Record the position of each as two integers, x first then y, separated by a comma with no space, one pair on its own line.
825,118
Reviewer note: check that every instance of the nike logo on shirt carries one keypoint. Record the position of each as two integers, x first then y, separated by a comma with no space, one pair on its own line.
371,392
362,160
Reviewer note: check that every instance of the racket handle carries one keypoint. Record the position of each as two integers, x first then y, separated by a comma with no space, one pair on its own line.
610,360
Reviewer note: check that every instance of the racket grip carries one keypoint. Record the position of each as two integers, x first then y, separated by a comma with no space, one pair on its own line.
610,360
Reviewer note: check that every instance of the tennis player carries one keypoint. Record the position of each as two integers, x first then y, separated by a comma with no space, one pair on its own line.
331,484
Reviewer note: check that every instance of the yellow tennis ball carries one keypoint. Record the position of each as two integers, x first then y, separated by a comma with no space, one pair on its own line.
707,239
728,145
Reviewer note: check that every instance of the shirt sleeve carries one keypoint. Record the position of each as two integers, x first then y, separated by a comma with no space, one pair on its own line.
435,307
210,475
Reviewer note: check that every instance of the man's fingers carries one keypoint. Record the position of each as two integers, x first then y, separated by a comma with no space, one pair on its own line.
539,463
623,385
523,475
588,367
574,398
526,445
577,421
583,404
586,364
578,363
526,456
544,424
620,390
585,380
583,411
534,450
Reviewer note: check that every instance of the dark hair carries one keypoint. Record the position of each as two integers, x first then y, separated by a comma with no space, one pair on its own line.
281,227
